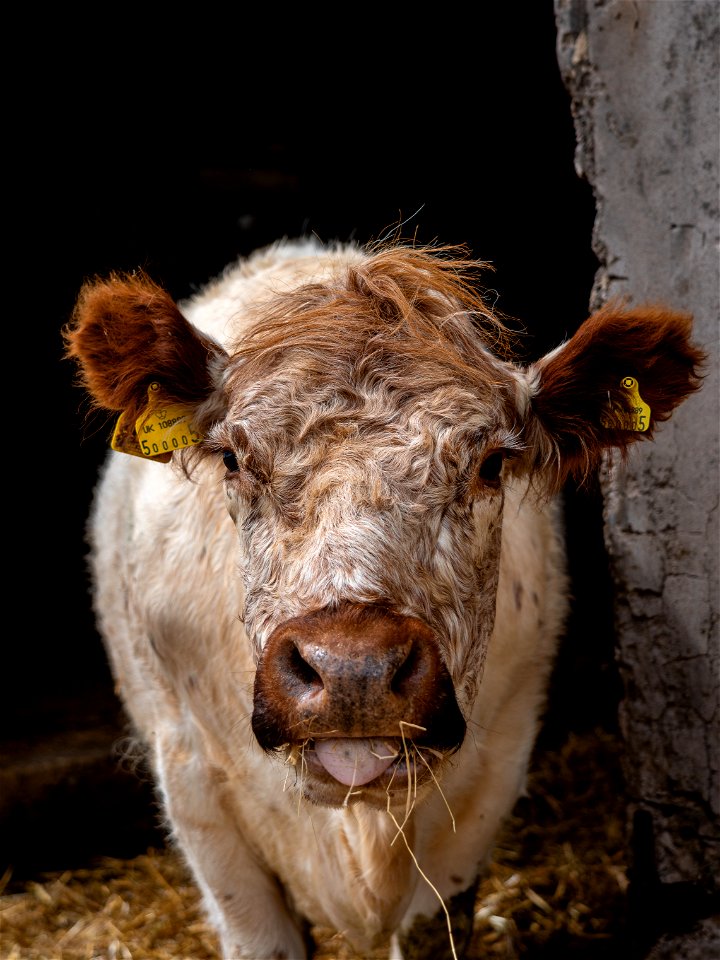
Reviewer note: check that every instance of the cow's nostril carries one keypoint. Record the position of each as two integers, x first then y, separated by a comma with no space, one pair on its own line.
404,676
302,672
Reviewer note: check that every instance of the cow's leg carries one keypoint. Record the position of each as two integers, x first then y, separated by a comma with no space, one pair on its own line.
244,901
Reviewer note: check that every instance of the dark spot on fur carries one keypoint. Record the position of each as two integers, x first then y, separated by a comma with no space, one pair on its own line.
517,593
456,879
535,598
191,681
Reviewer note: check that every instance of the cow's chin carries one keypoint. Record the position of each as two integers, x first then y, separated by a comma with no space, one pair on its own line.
413,772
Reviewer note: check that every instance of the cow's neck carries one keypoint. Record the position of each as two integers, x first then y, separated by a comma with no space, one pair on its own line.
372,858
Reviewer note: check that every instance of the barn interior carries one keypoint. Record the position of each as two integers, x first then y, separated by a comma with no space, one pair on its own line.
467,137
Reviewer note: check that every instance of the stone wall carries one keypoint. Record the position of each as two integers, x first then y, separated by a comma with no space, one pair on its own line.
644,83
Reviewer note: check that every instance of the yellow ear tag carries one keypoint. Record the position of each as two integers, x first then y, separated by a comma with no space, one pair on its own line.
158,432
631,413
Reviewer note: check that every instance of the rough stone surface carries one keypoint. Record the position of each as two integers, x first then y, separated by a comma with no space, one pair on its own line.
644,83
701,943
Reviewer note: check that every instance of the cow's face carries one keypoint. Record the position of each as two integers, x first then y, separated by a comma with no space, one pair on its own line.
368,435
368,500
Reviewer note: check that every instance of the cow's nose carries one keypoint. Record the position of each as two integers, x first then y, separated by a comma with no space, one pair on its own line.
360,671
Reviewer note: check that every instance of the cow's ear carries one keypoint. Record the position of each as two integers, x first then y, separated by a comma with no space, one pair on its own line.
126,334
624,371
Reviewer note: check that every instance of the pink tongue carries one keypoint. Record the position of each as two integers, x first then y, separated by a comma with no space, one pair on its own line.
354,761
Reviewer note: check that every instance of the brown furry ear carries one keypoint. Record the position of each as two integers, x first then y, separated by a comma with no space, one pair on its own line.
127,332
576,387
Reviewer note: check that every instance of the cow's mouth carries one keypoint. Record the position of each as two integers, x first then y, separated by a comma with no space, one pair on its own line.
375,770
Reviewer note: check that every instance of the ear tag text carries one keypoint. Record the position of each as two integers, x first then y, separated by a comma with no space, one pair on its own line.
630,413
157,432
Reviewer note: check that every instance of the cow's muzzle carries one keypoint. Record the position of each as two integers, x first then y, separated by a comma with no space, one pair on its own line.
360,671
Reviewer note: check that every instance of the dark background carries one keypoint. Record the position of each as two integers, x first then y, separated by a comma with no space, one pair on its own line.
178,149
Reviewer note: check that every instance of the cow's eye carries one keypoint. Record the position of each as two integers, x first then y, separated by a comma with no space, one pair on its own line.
491,467
230,461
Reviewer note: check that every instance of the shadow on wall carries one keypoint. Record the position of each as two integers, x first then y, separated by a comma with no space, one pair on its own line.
468,157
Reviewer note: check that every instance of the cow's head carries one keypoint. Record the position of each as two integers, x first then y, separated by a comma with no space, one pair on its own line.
369,431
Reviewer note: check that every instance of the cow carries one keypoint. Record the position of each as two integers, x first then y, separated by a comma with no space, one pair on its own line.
328,568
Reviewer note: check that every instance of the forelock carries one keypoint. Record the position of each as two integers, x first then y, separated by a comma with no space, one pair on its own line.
403,323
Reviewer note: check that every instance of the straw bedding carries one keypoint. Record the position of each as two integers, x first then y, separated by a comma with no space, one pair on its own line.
556,887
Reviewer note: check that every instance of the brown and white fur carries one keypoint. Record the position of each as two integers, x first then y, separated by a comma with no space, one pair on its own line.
364,549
